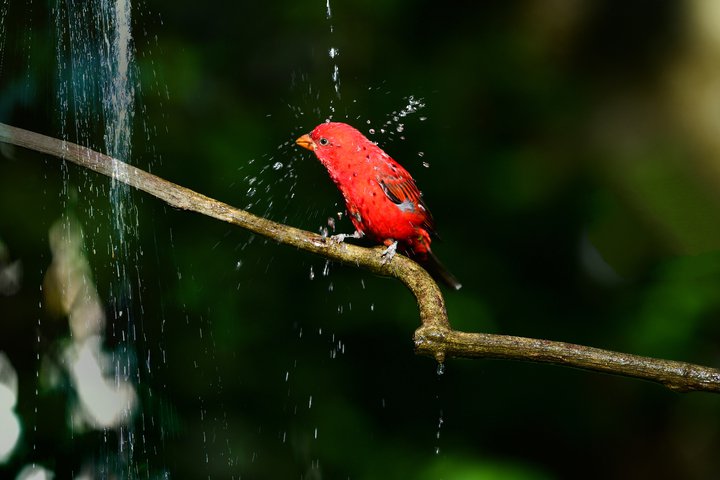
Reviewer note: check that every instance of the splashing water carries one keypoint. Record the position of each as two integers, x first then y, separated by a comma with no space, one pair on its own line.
437,433
395,122
336,72
333,53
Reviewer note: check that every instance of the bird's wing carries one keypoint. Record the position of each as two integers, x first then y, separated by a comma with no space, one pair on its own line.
403,192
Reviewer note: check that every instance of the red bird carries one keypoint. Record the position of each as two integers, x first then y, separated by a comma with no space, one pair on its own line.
381,197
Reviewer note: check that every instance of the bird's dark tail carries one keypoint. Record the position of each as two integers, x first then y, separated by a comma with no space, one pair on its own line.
439,272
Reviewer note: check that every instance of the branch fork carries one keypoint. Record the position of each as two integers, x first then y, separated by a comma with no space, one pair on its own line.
435,337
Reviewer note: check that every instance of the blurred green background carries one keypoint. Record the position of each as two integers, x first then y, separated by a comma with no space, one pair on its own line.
573,152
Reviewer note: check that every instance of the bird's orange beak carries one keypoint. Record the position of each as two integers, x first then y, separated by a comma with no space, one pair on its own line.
306,142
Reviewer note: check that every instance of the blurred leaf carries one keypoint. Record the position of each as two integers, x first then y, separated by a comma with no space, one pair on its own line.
461,468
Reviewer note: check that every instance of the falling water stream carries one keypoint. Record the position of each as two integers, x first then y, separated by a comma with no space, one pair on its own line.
97,95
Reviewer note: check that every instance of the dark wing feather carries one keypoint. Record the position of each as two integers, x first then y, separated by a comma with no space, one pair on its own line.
402,190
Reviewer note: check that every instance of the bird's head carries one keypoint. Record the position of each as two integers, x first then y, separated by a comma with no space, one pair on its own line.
330,139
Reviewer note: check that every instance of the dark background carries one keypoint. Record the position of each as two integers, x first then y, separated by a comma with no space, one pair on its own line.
573,173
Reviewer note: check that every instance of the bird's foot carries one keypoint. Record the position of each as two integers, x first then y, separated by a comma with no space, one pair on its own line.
389,252
340,237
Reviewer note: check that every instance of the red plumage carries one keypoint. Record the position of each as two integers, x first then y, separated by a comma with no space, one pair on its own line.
381,197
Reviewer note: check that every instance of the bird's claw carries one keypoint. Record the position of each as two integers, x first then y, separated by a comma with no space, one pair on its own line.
388,254
340,237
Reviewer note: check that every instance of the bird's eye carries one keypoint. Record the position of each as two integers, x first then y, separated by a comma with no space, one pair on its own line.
324,141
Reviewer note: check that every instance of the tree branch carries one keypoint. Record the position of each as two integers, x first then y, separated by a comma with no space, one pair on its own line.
435,337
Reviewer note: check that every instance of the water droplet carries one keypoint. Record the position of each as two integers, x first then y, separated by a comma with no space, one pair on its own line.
440,368
372,131
426,164
277,165
312,273
334,52
336,78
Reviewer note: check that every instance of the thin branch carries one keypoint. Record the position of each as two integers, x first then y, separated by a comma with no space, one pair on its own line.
435,337
678,376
